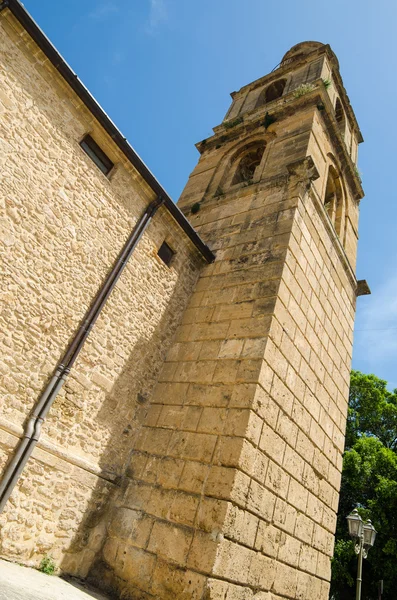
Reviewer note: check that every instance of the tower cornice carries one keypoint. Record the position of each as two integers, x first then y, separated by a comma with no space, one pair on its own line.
283,107
296,62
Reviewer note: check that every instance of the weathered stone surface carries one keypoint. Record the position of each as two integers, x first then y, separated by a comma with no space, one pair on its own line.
195,452
252,399
62,225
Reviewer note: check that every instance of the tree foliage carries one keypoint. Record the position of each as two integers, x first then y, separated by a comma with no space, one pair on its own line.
369,482
372,410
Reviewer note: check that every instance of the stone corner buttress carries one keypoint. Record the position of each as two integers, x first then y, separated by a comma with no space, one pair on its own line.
234,479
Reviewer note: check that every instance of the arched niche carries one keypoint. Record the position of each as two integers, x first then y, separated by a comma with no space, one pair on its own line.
334,201
340,117
227,168
272,92
247,163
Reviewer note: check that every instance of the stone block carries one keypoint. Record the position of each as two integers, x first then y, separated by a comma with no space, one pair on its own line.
262,572
304,528
192,446
193,477
170,542
138,567
293,463
212,420
130,526
211,515
308,559
202,553
240,526
284,516
220,482
272,444
261,501
285,581
184,508
277,480
170,582
223,590
268,539
233,561
169,472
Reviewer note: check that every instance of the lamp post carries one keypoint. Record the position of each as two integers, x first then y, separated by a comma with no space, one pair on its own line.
365,535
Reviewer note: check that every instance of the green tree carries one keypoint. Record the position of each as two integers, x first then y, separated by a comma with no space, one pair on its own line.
369,482
372,410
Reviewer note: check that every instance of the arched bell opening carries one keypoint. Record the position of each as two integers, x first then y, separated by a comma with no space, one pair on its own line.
333,201
340,117
248,164
272,92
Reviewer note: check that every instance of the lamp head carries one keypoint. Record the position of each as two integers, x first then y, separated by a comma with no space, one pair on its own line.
369,534
355,524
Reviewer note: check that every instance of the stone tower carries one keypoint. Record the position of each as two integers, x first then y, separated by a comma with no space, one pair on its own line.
234,480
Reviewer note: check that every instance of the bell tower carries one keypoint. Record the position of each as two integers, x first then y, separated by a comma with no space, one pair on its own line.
234,481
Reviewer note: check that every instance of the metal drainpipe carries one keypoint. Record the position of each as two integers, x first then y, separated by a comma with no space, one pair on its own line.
46,400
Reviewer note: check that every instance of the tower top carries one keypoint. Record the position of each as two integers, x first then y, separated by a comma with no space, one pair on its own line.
304,48
309,64
301,49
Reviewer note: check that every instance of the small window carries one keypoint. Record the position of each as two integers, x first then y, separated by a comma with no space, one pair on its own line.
96,154
165,253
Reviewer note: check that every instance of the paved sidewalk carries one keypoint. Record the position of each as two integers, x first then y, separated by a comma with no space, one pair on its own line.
21,583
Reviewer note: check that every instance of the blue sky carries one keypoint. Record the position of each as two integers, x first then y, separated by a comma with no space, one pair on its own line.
163,70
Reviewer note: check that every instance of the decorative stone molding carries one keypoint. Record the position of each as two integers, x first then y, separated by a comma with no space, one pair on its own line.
362,288
302,173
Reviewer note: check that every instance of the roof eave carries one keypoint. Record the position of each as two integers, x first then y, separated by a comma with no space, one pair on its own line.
31,27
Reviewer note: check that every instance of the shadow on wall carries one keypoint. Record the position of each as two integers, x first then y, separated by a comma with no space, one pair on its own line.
72,220
122,412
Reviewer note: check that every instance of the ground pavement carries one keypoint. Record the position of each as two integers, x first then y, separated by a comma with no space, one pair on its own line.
21,583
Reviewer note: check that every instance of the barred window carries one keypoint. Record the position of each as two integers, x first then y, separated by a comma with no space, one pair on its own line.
166,253
96,154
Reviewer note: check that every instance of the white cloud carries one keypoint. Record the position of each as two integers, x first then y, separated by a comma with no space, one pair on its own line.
157,16
375,340
103,11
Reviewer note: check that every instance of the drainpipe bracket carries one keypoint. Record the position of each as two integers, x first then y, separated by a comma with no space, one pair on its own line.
30,427
154,206
37,430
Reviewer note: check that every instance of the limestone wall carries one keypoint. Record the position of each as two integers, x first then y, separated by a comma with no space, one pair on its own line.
234,481
233,486
321,150
177,505
62,225
195,451
282,538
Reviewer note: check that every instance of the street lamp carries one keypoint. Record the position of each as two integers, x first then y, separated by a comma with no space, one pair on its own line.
365,535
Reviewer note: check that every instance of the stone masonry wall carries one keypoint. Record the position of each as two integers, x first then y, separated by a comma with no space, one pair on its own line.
195,453
62,225
283,537
233,484
233,487
166,524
